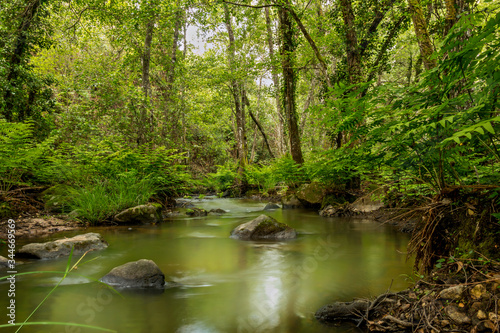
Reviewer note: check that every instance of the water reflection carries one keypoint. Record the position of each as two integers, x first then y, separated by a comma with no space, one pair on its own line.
226,285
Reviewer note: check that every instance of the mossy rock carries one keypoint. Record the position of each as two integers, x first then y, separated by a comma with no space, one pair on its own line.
337,198
196,212
311,194
263,228
291,201
139,214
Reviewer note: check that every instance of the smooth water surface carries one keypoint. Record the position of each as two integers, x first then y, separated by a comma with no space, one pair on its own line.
226,285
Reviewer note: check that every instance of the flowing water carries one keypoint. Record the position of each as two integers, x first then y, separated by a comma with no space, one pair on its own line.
226,285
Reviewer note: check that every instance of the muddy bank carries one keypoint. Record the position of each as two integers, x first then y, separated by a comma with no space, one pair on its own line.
459,297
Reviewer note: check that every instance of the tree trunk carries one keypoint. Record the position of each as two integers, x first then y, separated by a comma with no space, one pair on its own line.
322,63
146,57
289,81
20,49
173,56
451,15
423,38
353,55
240,134
247,103
281,125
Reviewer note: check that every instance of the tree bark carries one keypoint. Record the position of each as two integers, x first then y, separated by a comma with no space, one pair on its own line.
240,134
21,46
173,55
289,81
146,58
322,63
423,38
281,122
451,15
353,54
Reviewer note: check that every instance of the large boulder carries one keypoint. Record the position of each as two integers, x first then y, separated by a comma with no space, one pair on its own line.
291,201
142,273
263,228
139,214
311,195
62,247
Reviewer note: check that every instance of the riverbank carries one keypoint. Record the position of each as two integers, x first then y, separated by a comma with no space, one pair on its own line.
39,226
458,296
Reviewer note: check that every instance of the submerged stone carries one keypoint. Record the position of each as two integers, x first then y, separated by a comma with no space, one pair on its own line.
263,228
62,247
142,273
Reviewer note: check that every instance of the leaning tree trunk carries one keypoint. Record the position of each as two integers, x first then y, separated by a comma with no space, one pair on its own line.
289,82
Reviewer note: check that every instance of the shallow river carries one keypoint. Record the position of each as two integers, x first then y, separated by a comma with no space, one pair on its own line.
227,285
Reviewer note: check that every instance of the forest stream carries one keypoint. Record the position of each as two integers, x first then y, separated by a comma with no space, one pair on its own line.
224,285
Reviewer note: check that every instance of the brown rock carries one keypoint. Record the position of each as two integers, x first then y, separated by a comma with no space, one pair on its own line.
453,293
478,291
456,315
481,315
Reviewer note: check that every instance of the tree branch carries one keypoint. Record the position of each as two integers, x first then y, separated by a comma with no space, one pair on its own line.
250,6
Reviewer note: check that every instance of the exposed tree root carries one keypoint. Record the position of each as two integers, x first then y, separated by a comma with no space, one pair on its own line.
450,300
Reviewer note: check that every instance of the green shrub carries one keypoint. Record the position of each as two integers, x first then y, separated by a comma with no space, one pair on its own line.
225,177
261,176
100,200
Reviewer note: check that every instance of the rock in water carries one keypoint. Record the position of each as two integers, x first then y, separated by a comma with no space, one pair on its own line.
196,212
263,228
217,211
271,206
142,273
139,214
4,262
62,247
291,201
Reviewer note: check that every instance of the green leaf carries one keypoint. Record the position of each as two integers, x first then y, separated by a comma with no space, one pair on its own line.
487,126
479,130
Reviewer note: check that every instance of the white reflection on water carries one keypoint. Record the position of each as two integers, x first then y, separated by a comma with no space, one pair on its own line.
266,296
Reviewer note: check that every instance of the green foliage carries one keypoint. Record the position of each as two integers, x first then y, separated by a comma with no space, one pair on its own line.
101,199
20,156
287,172
225,177
264,177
